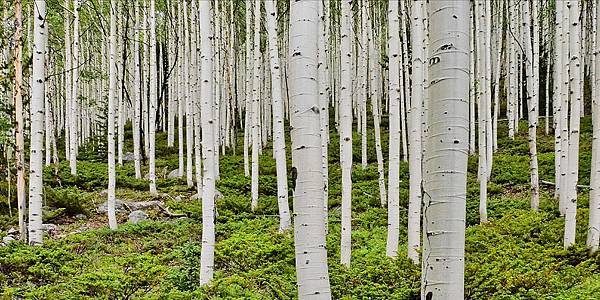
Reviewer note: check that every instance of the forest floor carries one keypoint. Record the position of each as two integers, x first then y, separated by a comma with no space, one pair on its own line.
517,255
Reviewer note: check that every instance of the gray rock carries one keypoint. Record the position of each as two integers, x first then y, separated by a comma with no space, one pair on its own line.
81,217
137,216
50,229
178,198
12,231
119,207
7,239
173,174
128,156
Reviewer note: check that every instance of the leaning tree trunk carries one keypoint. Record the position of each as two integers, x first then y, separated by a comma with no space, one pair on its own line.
207,258
447,145
36,160
309,225
278,126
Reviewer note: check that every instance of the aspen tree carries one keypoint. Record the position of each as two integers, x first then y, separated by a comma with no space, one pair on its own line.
394,128
36,191
576,86
19,128
153,96
532,101
556,101
345,129
137,95
445,161
278,126
112,86
374,95
181,102
362,77
255,107
593,236
248,86
74,116
324,105
482,108
207,258
415,133
309,227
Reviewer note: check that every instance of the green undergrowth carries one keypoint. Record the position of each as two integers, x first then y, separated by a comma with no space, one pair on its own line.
517,255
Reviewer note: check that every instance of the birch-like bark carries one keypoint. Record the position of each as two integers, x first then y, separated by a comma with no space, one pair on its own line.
375,98
345,128
74,116
593,237
324,106
153,100
255,106
576,87
482,108
556,101
532,102
447,144
415,131
112,89
207,257
181,102
19,126
36,159
278,119
189,101
393,232
309,227
137,96
248,86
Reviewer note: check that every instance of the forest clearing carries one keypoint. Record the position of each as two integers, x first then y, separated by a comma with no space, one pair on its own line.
305,149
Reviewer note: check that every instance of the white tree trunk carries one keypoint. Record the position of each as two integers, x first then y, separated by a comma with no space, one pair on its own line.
278,126
36,159
445,162
255,119
324,105
74,116
393,232
137,97
309,226
153,100
19,128
207,258
415,131
375,98
189,101
112,89
593,237
482,107
345,128
576,86
532,102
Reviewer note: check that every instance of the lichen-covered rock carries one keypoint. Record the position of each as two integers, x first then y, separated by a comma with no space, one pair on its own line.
119,207
137,216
